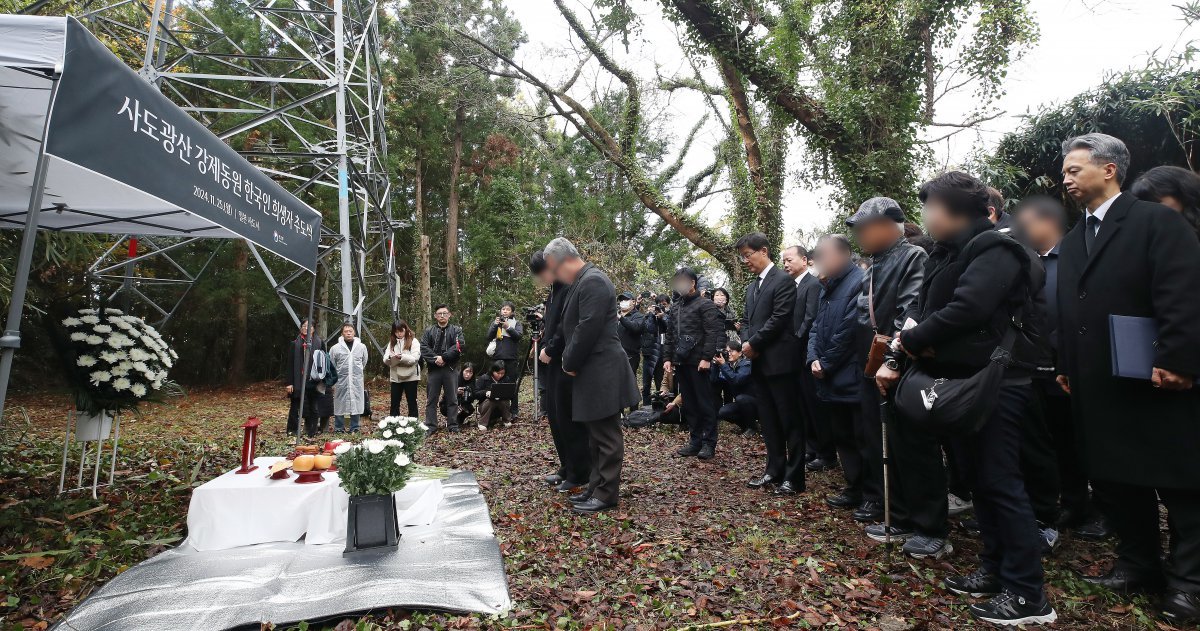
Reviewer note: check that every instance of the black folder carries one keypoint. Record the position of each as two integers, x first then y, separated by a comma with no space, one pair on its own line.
1134,342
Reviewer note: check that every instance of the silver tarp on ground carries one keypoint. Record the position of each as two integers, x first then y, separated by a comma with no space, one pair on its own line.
453,564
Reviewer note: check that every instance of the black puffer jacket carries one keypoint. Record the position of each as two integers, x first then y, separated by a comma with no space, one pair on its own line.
973,286
630,328
696,331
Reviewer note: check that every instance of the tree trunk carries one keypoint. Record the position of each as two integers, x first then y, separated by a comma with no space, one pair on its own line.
425,298
241,312
452,205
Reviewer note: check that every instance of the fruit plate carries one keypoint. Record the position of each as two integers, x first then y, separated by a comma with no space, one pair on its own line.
310,477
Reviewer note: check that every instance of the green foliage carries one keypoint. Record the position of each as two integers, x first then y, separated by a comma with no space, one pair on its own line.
365,471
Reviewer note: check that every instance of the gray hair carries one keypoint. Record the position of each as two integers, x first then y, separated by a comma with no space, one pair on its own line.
1103,148
560,249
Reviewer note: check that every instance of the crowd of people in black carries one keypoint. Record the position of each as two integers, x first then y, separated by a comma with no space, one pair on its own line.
970,364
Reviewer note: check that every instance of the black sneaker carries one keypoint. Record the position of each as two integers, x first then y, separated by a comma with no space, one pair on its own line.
923,547
878,532
977,584
1009,609
688,450
707,452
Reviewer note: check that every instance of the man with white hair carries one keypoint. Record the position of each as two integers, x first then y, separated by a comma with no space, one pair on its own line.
1128,257
602,383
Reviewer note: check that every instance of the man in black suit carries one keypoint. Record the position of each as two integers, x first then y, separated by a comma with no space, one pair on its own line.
1140,438
819,452
570,439
770,342
601,382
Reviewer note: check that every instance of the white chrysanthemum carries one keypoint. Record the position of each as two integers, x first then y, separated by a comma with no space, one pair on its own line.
120,370
95,340
168,363
342,448
102,328
374,446
112,311
173,354
138,390
87,361
87,311
121,383
383,423
138,355
403,420
423,427
410,429
100,376
121,355
393,443
140,366
78,336
90,319
109,357
387,433
401,459
133,331
72,322
120,324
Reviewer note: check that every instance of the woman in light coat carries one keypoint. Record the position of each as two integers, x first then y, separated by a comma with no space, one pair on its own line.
349,356
402,357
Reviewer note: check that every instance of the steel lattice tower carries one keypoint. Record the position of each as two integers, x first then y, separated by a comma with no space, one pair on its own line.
299,94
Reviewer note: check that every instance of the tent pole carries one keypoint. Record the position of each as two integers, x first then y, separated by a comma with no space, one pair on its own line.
308,350
11,339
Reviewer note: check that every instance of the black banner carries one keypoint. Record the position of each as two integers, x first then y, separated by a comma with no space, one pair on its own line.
109,120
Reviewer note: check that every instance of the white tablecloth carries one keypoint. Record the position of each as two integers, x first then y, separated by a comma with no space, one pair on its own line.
240,510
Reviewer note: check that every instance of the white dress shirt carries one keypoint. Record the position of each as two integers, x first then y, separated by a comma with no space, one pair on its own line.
1101,210
763,274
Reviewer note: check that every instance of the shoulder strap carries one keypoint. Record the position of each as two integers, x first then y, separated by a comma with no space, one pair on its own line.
871,301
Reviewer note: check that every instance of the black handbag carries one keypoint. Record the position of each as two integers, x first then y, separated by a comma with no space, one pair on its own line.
955,407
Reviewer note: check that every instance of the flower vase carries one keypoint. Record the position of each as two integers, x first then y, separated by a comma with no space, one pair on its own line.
371,524
91,427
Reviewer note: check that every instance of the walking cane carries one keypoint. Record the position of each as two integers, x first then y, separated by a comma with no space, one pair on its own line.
885,413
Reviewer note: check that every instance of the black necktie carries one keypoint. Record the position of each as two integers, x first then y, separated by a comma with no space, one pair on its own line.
1089,235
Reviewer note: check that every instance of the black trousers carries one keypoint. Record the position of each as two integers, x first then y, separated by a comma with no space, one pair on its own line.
782,426
699,407
1039,465
819,433
917,477
310,413
1073,482
441,384
871,436
1133,512
606,443
958,471
743,412
409,390
649,370
570,438
847,423
658,375
1011,545
512,368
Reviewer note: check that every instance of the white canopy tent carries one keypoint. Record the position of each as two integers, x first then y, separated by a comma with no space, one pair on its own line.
88,145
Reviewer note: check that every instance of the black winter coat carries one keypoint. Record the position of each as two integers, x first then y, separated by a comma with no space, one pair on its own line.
698,331
630,328
448,343
1145,262
294,376
509,346
968,299
833,336
604,384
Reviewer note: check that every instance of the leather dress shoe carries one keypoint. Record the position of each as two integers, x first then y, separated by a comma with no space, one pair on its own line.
869,512
1181,608
841,500
566,486
552,480
1094,530
787,488
688,450
821,464
580,497
1124,582
764,481
707,452
593,505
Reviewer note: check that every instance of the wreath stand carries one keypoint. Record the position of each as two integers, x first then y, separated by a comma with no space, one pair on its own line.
90,435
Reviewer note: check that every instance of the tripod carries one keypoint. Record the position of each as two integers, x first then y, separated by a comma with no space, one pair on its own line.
531,356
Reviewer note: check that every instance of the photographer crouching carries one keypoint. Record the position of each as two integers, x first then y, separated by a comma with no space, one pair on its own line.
696,334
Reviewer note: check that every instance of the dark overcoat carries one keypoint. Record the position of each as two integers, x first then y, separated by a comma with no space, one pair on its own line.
769,325
1145,262
604,384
